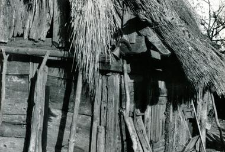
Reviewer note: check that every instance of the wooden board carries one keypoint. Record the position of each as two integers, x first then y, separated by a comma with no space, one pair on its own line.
10,144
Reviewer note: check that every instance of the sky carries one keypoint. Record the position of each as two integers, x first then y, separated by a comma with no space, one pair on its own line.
202,8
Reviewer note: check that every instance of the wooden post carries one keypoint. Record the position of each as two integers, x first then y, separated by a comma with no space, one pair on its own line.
4,69
38,109
96,116
75,113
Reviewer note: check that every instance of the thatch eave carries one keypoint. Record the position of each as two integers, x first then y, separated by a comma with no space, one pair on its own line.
202,65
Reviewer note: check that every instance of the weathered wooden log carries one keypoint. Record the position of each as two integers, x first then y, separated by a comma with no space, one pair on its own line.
4,69
101,139
141,132
96,116
34,51
75,113
38,109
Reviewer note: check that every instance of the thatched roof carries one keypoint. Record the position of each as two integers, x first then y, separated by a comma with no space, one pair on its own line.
94,22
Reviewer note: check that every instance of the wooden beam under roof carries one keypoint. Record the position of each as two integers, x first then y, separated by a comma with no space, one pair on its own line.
35,51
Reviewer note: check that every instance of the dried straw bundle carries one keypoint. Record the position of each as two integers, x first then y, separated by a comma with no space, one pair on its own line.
93,25
202,65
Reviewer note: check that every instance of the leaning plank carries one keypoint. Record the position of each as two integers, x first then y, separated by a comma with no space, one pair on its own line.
125,76
96,116
4,69
141,132
38,109
75,113
200,133
34,51
133,134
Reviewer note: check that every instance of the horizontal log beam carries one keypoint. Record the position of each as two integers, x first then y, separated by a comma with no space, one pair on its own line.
35,51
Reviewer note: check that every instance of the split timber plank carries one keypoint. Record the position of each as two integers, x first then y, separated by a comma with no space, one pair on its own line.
75,113
19,10
203,115
4,7
141,132
112,112
101,139
38,109
104,101
96,116
41,20
122,121
59,22
4,69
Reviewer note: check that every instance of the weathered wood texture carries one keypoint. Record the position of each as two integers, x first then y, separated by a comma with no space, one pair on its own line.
60,110
33,19
73,127
37,120
3,77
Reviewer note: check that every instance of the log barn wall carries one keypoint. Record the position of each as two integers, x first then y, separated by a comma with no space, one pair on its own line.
15,117
35,20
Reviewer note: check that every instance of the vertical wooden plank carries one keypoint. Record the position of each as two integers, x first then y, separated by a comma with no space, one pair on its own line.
169,134
41,20
28,21
75,113
122,121
59,22
101,139
204,117
96,116
117,136
104,101
110,124
18,22
39,107
4,20
38,111
3,77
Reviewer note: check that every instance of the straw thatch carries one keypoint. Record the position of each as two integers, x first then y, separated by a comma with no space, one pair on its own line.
172,20
93,25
